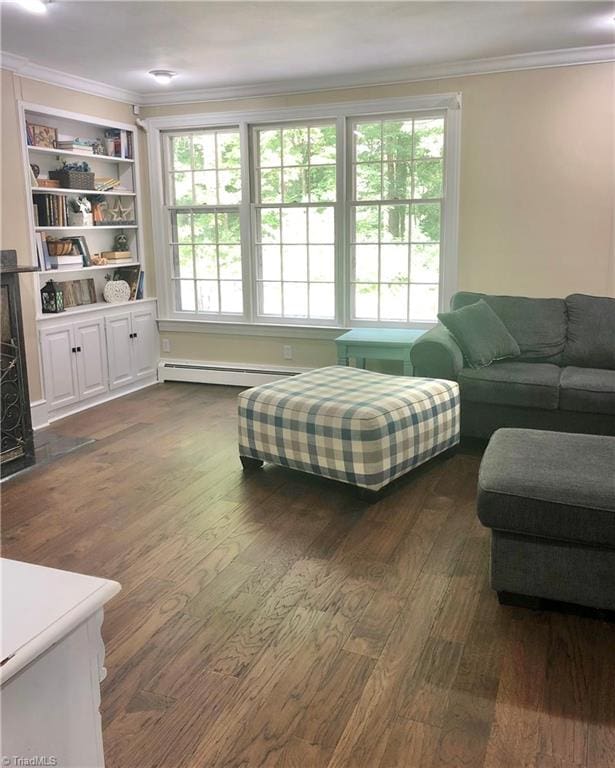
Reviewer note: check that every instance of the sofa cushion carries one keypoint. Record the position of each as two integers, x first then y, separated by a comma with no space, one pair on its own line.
551,484
480,334
538,325
530,385
591,332
587,389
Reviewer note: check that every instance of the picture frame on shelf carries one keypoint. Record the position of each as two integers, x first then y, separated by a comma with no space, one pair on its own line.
42,136
121,211
78,293
81,246
140,286
130,274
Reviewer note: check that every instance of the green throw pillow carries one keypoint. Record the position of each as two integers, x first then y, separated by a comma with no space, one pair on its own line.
480,334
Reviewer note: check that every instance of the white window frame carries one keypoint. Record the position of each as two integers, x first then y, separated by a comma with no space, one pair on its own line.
198,208
342,113
256,204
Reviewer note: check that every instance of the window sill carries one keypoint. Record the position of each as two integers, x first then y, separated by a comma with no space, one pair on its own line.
230,328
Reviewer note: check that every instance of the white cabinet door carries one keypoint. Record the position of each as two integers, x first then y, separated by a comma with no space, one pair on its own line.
119,350
59,366
91,357
145,343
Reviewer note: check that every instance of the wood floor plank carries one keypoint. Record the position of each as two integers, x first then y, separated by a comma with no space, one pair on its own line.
324,720
375,625
514,738
364,739
410,745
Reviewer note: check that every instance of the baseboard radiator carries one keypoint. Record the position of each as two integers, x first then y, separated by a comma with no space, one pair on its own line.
233,374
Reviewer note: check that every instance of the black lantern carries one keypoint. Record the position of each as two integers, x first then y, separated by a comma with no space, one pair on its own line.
52,297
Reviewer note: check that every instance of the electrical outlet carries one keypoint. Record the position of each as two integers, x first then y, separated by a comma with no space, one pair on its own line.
287,352
166,345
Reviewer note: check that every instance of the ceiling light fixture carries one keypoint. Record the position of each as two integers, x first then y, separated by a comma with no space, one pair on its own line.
162,76
34,6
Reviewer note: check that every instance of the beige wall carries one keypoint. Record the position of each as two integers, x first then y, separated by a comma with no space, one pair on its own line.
537,189
13,197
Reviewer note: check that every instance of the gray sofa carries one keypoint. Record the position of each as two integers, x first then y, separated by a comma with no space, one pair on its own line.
564,378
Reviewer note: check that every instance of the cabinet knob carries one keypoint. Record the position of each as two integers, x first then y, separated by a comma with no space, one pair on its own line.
73,349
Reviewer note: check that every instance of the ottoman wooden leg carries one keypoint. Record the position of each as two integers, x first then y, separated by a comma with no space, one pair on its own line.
450,452
249,464
369,496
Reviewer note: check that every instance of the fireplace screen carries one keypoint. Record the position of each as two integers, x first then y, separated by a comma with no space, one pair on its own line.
16,445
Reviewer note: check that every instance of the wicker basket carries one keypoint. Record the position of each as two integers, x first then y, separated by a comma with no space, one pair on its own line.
59,247
73,179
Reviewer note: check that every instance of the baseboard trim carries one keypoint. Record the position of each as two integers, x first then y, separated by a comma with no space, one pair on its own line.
230,374
39,414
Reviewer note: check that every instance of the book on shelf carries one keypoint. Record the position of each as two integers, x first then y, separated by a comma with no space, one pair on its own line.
42,251
123,144
117,255
71,260
104,184
73,146
52,210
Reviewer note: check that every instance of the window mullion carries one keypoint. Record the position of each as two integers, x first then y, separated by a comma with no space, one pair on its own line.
343,266
247,226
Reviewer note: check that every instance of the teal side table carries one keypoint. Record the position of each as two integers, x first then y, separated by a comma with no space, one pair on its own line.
377,343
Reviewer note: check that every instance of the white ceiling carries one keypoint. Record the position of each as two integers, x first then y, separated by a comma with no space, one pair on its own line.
214,45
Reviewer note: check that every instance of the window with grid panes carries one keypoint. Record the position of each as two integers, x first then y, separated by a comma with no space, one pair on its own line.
294,169
396,212
204,194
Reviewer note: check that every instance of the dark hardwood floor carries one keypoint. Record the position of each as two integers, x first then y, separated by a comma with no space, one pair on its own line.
273,619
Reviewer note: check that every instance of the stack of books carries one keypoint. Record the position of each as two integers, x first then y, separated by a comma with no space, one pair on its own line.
117,255
105,184
81,146
52,210
70,261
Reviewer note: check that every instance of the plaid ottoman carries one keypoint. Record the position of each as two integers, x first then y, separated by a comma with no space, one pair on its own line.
348,424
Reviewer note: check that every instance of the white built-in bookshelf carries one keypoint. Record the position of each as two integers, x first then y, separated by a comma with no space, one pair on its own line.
92,351
122,167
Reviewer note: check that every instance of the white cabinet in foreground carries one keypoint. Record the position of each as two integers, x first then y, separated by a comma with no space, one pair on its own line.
52,663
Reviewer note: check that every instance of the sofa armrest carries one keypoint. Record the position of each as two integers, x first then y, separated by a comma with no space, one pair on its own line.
437,355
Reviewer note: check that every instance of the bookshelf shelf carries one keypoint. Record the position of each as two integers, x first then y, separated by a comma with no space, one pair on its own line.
93,267
87,229
84,155
71,311
61,191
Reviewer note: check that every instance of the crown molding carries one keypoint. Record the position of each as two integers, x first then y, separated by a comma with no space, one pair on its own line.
564,57
26,68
